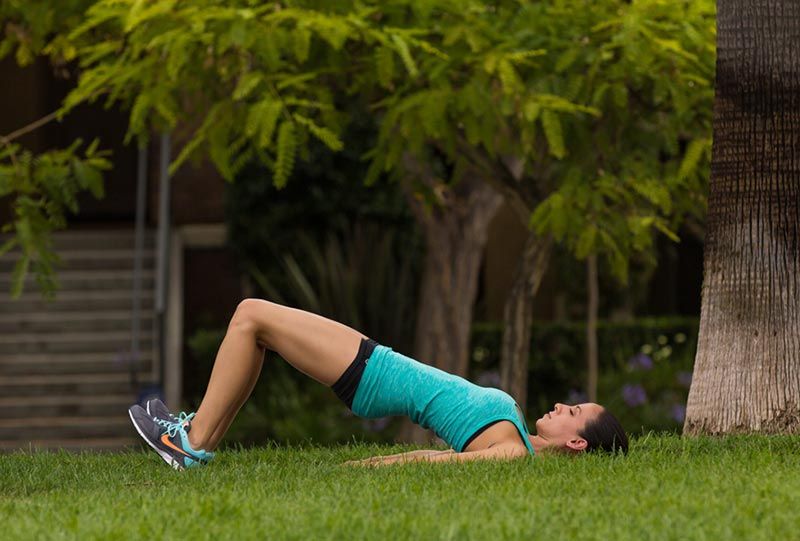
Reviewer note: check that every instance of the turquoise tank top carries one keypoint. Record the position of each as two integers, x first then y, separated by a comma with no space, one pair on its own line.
393,384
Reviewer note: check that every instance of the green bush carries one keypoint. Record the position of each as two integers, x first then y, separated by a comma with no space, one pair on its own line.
288,406
325,243
645,367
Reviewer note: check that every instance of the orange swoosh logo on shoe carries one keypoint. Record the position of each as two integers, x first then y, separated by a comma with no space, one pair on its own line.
166,441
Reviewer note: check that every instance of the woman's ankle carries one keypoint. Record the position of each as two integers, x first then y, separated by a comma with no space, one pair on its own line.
197,440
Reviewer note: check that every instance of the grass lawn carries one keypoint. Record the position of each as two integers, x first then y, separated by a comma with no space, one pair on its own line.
667,488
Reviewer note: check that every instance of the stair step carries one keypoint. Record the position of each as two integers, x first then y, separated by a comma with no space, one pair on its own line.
86,280
65,405
79,254
57,322
78,444
74,384
72,342
48,427
74,363
72,301
106,238
105,259
65,364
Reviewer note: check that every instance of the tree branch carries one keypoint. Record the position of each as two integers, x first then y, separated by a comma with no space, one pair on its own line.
29,128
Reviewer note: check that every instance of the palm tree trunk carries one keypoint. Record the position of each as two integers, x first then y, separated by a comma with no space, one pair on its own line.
747,368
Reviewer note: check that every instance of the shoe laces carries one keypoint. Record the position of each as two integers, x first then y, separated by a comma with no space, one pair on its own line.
174,426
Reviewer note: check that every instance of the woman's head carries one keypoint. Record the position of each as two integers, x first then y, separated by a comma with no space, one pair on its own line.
581,428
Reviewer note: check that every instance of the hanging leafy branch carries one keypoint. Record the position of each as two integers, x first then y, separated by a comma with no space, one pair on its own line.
605,105
43,188
608,107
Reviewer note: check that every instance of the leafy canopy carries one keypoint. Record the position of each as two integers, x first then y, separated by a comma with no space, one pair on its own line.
606,105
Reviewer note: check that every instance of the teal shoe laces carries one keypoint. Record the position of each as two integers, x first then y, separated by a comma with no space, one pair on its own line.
174,427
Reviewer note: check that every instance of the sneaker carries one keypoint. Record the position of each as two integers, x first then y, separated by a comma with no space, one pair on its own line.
156,408
169,438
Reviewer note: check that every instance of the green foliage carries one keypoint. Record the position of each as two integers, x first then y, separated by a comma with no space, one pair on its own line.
366,280
285,405
329,244
34,27
224,61
44,187
558,366
607,105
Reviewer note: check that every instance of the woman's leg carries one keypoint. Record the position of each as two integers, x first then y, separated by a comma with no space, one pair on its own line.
236,405
318,347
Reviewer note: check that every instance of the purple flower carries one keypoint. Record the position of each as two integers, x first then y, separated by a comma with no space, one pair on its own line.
684,378
634,395
679,412
576,396
489,379
640,361
376,425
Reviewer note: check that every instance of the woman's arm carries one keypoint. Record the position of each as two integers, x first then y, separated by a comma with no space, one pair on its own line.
398,457
508,451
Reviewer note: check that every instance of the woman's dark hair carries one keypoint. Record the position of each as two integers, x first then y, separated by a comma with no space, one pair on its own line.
605,433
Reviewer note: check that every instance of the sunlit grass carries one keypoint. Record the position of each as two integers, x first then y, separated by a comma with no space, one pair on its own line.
740,487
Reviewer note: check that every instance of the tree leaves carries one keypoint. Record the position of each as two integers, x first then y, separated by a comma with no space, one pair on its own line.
43,188
323,134
286,153
384,66
402,49
247,83
617,88
552,130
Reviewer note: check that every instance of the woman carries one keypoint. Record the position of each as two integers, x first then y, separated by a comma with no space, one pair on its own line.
373,381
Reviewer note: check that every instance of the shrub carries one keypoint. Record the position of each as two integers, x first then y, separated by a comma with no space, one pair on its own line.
645,367
645,371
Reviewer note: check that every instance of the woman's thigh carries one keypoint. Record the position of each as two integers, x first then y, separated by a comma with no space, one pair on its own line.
319,347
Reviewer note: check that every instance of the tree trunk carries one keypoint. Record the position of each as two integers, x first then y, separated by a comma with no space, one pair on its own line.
747,368
456,231
518,315
593,289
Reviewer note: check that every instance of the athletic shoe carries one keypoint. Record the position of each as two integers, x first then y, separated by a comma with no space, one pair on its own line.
156,408
169,438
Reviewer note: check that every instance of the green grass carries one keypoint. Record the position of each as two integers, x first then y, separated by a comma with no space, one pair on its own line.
742,487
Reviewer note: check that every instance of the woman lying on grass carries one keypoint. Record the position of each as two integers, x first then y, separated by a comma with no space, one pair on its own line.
373,381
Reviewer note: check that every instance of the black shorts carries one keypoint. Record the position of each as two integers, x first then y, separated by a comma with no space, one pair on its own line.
346,386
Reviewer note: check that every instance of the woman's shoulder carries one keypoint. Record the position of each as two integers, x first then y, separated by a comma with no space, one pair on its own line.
503,432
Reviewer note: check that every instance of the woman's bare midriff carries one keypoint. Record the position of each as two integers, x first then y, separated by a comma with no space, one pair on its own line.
500,432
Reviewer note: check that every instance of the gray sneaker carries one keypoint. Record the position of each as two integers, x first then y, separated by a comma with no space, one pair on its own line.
169,439
156,408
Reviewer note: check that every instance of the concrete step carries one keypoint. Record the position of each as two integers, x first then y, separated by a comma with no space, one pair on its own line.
67,384
58,322
33,427
106,259
72,342
74,363
101,405
119,279
75,445
111,238
74,301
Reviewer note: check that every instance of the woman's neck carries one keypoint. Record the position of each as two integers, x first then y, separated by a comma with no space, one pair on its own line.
538,443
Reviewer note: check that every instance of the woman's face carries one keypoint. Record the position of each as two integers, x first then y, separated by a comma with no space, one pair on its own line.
560,426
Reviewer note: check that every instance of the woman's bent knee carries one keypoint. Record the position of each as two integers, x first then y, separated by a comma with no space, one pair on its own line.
250,316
